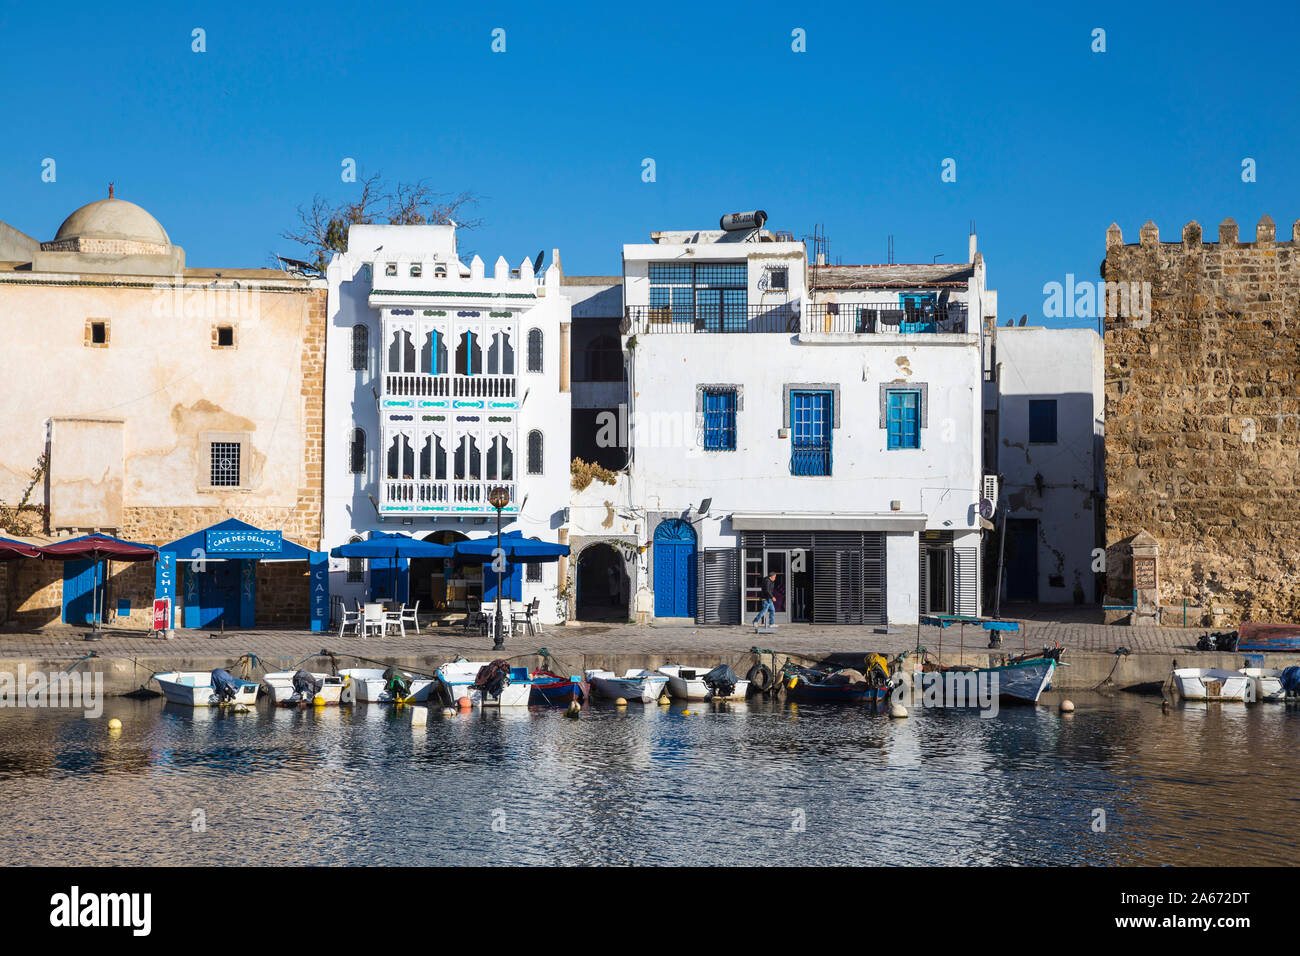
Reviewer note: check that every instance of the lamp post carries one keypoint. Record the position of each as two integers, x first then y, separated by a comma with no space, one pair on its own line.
498,498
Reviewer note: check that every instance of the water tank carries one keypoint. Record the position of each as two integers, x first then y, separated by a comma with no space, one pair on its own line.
737,221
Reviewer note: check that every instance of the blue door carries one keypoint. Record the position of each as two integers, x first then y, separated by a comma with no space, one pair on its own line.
1021,559
813,415
219,594
674,569
81,582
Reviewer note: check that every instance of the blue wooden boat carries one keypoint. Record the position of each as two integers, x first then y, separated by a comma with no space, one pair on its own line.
808,686
1268,637
553,689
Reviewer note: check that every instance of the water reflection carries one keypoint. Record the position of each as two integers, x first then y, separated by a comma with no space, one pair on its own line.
745,783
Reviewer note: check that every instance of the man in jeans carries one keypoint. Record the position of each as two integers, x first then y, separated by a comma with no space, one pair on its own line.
769,601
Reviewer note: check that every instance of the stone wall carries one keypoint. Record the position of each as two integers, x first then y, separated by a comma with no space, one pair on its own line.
1203,419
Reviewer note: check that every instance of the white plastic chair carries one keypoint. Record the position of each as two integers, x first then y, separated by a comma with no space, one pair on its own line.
373,619
348,619
410,615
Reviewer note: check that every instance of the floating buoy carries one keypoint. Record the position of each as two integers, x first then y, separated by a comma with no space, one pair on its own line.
465,703
318,701
665,700
1067,706
620,702
114,724
448,712
794,682
898,710
687,713
573,710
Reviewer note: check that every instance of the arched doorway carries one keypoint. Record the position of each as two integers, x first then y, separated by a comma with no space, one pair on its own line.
602,584
674,568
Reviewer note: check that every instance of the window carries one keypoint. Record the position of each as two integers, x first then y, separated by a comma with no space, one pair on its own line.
713,296
469,354
225,464
779,280
903,418
719,419
360,348
417,270
390,269
534,452
500,354
225,336
401,351
356,566
358,452
534,350
812,415
433,353
98,333
534,574
1042,421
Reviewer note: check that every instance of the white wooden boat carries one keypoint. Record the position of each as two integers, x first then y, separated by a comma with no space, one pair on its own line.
637,684
687,683
458,678
1265,684
194,689
1210,683
367,685
279,687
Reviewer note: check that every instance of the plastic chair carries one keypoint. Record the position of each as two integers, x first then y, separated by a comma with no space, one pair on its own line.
373,619
348,619
410,615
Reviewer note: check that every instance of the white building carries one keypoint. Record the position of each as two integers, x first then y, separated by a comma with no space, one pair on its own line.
443,381
820,422
1045,426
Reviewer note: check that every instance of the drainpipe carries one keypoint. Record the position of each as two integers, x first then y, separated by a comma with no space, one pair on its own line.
565,328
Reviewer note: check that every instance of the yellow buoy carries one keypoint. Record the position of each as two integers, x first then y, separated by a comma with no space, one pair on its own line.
620,702
1067,706
665,700
687,713
794,681
318,701
573,710
114,724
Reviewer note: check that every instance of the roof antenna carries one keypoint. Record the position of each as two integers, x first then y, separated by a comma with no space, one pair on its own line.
110,190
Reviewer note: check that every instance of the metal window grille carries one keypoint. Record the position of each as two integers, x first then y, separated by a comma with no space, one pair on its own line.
534,572
812,415
534,350
360,348
720,419
711,295
534,453
903,418
358,455
225,464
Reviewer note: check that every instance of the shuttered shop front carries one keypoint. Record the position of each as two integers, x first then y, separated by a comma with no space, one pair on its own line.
848,583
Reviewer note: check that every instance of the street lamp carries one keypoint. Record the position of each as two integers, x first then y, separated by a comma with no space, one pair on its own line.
498,498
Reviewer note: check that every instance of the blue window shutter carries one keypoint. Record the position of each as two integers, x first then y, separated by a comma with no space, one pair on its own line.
720,419
903,419
1042,421
813,415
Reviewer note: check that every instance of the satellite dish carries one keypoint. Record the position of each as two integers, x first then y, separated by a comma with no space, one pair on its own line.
987,507
537,266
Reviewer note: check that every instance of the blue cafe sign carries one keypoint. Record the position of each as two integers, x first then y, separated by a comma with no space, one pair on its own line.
242,541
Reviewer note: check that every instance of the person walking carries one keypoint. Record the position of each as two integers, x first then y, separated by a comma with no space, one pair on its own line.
768,606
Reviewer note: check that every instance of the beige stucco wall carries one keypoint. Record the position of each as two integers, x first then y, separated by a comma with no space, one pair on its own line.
86,466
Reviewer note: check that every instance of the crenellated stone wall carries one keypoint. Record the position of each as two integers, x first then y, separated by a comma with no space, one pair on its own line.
1203,420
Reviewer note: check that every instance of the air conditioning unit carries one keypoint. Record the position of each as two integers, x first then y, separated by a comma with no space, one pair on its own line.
990,488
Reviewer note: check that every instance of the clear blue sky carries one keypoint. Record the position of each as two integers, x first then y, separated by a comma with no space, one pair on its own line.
1052,141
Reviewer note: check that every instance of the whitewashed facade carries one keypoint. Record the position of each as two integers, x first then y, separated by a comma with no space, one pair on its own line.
1047,435
761,400
443,381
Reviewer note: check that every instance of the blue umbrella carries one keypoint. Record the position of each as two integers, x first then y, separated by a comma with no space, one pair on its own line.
386,545
483,550
528,551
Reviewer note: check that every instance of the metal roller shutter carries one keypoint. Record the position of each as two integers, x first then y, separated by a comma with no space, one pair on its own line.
966,581
719,586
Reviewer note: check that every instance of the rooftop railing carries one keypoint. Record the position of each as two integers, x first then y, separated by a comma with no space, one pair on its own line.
831,317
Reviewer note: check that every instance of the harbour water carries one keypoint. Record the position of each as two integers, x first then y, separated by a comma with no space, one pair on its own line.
758,783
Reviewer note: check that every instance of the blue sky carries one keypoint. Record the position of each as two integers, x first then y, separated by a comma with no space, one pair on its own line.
1052,141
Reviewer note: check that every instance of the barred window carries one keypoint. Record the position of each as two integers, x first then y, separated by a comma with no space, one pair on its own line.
534,350
358,451
534,572
534,452
225,464
356,566
360,348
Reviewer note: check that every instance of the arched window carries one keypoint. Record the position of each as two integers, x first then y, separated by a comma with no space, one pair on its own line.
356,566
534,452
360,348
401,352
358,452
501,354
469,354
433,353
534,350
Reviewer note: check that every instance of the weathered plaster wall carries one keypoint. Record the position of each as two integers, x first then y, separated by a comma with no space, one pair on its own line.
1203,419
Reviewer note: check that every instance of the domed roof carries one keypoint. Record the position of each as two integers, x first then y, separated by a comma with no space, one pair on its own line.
112,219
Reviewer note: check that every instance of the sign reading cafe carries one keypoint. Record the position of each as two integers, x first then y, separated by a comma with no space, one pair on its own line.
241,541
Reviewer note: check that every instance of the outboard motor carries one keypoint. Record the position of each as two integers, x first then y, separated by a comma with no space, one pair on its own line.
224,685
397,683
721,681
305,685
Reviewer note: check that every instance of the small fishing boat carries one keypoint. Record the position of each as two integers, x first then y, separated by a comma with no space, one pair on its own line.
200,688
551,688
808,685
1210,683
280,687
383,686
1265,684
489,683
636,684
1268,637
703,683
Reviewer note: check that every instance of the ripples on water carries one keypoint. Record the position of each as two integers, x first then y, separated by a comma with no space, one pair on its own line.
1201,785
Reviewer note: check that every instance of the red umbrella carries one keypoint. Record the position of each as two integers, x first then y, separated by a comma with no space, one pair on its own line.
96,548
10,549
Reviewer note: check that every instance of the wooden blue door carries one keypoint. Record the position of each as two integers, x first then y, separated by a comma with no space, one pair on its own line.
674,569
219,586
79,591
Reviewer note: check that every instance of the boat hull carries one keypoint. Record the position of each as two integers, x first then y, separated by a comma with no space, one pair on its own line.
1205,683
367,685
687,683
458,681
644,689
558,692
1268,637
1265,684
194,689
805,692
279,688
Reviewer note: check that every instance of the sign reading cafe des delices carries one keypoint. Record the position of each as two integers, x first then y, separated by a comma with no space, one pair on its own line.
241,541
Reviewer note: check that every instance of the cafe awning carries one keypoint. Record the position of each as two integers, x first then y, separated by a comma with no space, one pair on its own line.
11,550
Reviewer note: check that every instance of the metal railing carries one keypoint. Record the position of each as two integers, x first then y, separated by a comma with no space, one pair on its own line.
408,495
855,318
811,458
424,385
